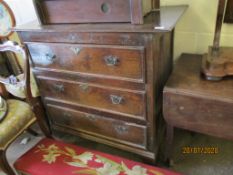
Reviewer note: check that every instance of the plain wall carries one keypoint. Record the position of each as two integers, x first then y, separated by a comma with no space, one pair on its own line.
195,31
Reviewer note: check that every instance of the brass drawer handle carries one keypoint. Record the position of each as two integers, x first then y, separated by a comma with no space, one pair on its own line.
59,87
111,60
84,87
91,117
121,129
116,100
50,57
75,50
67,114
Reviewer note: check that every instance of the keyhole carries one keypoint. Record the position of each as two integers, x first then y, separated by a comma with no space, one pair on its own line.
105,8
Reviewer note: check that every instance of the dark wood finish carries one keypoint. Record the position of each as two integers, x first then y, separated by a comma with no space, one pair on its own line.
229,12
117,61
70,33
94,96
215,68
117,130
130,94
218,27
75,11
3,91
192,103
169,144
156,4
218,63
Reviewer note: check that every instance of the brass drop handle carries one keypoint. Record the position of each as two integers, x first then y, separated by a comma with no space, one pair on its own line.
91,117
75,50
59,87
84,87
50,57
111,60
121,129
67,114
116,100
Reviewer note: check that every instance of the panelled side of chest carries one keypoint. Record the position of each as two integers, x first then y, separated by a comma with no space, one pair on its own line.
136,78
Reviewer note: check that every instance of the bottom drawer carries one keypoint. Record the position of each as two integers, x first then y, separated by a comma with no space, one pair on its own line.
111,129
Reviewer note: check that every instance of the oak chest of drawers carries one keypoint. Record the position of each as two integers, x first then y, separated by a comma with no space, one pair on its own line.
104,82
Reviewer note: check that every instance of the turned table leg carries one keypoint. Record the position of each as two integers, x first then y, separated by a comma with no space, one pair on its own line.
4,165
169,143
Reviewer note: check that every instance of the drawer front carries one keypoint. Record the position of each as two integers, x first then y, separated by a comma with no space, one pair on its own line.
131,103
113,61
97,125
78,11
64,11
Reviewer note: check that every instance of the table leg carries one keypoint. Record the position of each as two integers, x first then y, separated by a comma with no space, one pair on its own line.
169,143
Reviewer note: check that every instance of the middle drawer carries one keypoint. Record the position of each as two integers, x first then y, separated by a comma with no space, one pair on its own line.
130,103
125,62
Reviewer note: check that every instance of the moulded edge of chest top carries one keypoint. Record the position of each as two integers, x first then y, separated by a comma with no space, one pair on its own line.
131,39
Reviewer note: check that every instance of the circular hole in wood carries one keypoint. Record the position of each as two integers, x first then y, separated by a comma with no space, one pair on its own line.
105,8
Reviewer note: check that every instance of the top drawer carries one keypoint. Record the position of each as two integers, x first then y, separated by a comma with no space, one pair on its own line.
113,61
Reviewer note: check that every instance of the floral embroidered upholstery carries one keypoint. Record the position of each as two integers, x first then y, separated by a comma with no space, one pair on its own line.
19,116
50,157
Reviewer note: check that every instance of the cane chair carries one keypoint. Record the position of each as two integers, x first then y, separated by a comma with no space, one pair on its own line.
21,114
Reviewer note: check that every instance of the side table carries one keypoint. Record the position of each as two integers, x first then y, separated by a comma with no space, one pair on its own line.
194,104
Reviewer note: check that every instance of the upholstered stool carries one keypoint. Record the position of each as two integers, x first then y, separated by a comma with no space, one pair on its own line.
50,157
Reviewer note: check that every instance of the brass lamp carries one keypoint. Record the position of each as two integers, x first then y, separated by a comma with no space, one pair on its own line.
218,63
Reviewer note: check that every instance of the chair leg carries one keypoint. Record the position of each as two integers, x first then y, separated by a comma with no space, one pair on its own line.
4,165
169,144
42,119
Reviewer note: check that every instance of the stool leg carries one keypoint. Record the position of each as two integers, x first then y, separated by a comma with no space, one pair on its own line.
169,143
4,165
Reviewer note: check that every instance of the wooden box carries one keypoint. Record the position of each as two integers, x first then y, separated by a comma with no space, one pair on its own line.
93,11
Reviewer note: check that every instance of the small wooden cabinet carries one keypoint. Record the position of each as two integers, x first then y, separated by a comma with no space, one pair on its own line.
104,82
89,11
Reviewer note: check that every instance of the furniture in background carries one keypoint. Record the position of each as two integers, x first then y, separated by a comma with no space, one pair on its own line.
218,63
7,22
194,104
20,115
50,157
103,82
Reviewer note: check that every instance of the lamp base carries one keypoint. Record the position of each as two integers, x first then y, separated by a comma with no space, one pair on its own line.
216,67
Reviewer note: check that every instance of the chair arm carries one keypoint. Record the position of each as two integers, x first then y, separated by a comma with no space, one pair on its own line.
14,47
